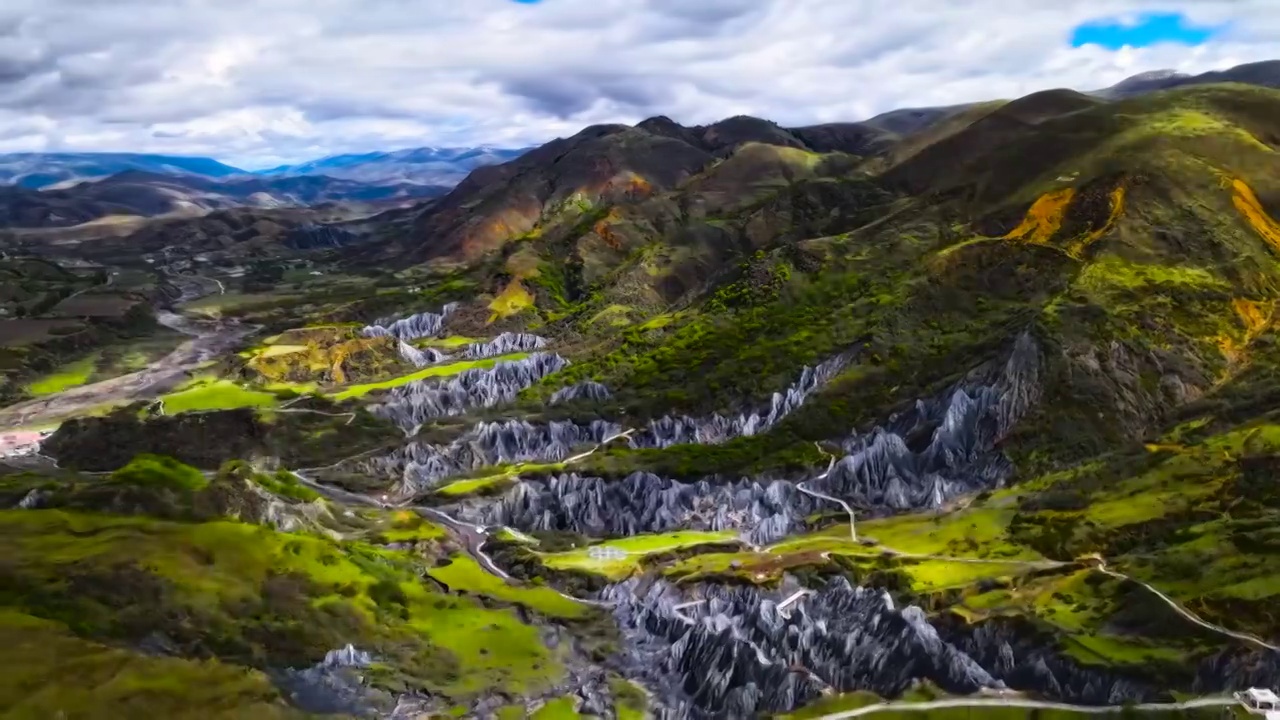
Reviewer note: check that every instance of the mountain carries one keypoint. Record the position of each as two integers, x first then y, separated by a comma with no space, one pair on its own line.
717,421
1265,74
147,194
40,170
423,166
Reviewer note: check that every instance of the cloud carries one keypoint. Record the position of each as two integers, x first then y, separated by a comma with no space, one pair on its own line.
259,84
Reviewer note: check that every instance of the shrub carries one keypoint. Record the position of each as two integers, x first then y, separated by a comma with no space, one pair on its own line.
158,471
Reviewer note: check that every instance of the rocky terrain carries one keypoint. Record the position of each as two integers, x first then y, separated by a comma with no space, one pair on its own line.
960,407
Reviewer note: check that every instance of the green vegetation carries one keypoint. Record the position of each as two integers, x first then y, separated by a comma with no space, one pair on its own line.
72,375
427,372
464,574
47,671
262,599
630,700
635,550
407,526
285,484
210,393
562,708
461,488
160,472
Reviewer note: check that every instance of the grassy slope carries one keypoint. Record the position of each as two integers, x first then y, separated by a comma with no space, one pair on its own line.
47,671
1151,267
262,599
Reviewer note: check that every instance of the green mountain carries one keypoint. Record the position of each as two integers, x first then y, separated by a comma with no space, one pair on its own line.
724,421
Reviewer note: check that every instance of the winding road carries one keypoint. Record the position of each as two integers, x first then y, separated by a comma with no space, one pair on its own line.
1187,614
1205,702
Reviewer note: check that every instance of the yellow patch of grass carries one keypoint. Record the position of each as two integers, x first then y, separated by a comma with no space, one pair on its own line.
1256,317
273,350
1043,218
1247,203
513,298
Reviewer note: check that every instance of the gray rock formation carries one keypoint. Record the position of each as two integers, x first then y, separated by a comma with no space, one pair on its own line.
505,344
586,390
891,468
421,357
414,403
420,466
887,468
422,325
737,655
312,236
336,685
667,431
644,503
34,499
1027,660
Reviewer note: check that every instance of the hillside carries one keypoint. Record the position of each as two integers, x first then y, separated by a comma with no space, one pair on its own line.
722,421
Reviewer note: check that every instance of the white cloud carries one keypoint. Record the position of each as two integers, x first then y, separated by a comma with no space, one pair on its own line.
258,83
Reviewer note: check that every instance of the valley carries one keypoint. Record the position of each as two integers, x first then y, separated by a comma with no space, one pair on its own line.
972,416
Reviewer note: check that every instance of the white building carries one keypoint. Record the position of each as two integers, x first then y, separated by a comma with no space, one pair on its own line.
1261,701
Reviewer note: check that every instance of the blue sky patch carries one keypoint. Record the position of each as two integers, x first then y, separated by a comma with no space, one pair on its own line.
1149,29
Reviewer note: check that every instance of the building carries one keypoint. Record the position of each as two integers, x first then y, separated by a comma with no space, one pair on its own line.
1261,701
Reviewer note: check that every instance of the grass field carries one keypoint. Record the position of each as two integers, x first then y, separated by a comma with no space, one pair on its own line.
214,394
635,549
463,573
68,376
427,372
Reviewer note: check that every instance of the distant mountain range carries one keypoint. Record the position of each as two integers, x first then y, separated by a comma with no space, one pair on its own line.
427,166
148,194
42,170
416,166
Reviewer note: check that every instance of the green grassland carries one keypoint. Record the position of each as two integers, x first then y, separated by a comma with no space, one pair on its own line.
463,574
71,375
211,393
48,671
259,598
434,371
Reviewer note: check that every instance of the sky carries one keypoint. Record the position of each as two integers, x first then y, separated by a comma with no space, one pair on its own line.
258,83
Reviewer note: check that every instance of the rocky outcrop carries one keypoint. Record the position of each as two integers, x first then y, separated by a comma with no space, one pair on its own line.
586,390
420,466
505,344
893,467
412,404
421,357
736,654
422,325
313,236
1025,660
942,448
644,503
668,430
336,685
